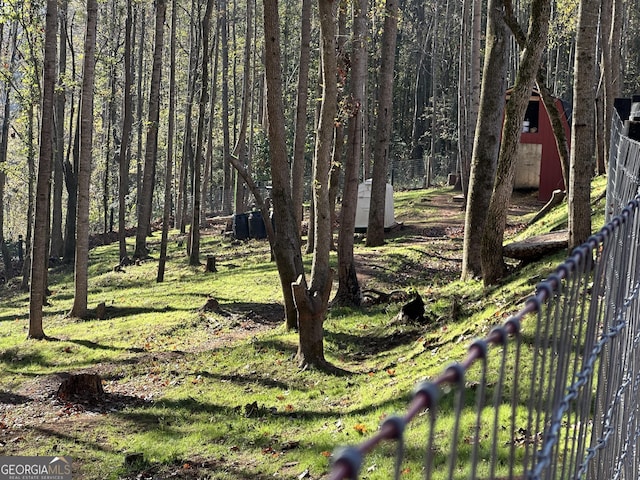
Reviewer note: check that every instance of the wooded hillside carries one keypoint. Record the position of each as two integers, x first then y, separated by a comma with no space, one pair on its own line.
161,110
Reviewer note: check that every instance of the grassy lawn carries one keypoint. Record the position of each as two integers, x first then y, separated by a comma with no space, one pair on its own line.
216,394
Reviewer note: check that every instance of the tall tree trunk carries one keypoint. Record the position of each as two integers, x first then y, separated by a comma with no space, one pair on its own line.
81,270
39,251
187,145
611,57
151,147
205,197
57,240
71,183
375,227
312,302
124,154
582,125
227,191
419,87
194,240
493,267
4,142
428,171
486,143
166,214
348,287
31,166
240,149
286,247
302,100
337,160
140,110
555,116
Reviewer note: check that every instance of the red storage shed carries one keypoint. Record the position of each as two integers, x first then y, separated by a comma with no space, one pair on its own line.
538,165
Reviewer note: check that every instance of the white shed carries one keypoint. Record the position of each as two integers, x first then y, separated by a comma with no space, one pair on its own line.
362,208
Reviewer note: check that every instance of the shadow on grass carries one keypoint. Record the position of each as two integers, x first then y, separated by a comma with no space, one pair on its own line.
278,346
10,318
73,439
197,468
17,357
112,312
360,346
96,346
182,409
266,382
265,313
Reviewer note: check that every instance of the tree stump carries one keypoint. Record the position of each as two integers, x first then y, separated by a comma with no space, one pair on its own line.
83,385
412,311
211,305
101,311
211,264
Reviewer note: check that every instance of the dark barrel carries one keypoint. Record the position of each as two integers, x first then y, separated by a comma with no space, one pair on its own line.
241,226
256,226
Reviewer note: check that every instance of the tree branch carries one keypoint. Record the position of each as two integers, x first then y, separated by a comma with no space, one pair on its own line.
512,22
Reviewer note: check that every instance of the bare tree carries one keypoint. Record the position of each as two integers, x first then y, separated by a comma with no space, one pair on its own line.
302,100
286,248
151,147
375,227
470,71
582,125
166,214
124,154
194,238
81,270
348,287
4,142
187,144
57,240
39,251
227,191
240,149
551,105
493,267
312,301
611,18
486,143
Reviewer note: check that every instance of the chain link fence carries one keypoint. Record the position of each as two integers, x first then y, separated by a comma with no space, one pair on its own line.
555,389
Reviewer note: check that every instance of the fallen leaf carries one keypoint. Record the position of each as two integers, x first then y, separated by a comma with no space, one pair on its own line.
360,428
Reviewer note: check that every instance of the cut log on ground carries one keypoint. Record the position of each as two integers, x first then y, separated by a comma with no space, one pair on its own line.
534,248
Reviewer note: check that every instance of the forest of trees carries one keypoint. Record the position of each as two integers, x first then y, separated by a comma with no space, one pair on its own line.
119,115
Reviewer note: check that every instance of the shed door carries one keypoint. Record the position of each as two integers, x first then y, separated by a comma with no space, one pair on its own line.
528,166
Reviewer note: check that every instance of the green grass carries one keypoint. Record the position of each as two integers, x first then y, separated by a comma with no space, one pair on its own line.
208,393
